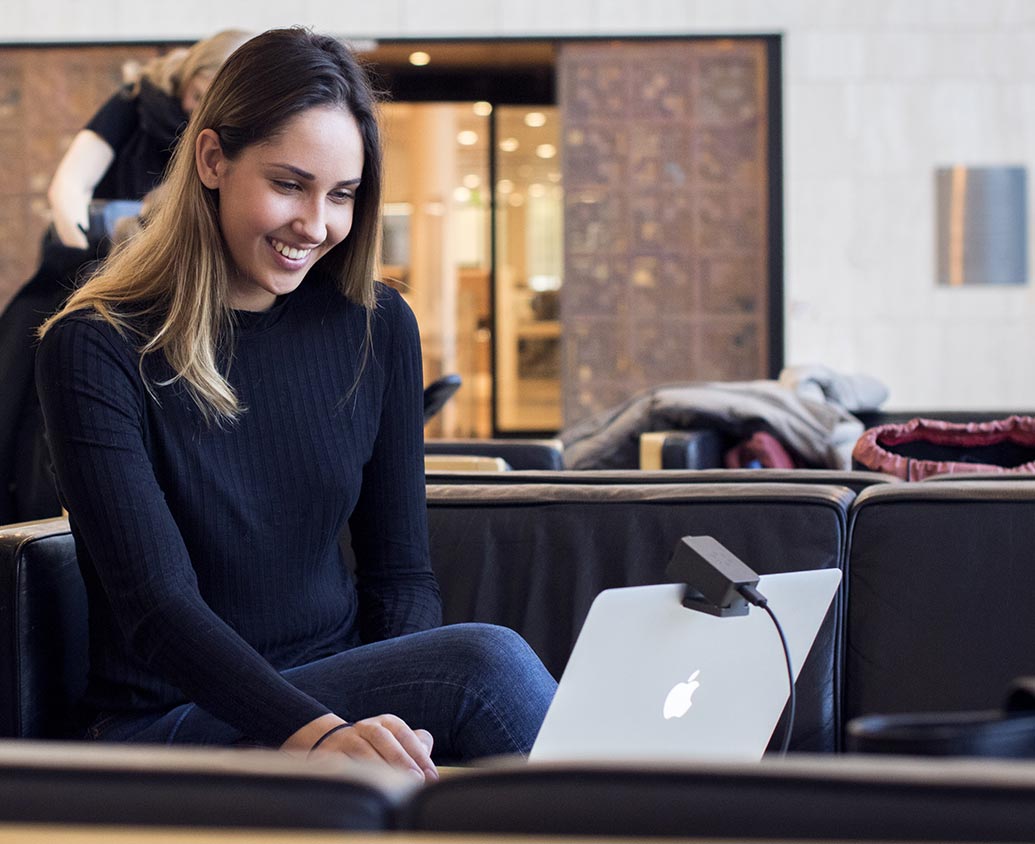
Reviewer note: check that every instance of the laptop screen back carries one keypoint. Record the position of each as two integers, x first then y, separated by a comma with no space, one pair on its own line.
650,679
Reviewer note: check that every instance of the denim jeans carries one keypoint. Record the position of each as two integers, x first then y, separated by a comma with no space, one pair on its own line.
480,690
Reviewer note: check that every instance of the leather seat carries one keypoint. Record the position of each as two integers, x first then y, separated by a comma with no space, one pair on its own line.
940,585
109,785
533,557
800,799
519,454
43,631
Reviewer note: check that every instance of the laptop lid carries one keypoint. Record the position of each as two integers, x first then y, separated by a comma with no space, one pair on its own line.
650,679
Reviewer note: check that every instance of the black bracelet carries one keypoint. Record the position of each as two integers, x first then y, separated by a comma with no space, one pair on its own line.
328,734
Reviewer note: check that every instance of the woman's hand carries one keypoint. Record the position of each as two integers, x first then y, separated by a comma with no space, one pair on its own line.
384,738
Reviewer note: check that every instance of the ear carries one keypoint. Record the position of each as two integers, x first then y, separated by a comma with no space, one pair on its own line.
209,158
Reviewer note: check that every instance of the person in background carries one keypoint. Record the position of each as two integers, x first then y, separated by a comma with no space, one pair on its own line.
26,483
222,399
123,151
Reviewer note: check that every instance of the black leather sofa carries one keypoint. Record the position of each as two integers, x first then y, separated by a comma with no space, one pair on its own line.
801,799
88,784
533,556
934,616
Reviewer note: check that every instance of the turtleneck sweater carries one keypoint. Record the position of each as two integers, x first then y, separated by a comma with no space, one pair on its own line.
211,552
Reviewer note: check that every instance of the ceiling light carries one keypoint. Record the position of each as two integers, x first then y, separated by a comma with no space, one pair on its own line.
509,144
461,194
467,138
535,119
536,190
546,150
516,200
419,58
504,186
472,180
482,108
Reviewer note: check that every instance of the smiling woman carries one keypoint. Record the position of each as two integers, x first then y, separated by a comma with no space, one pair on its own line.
286,203
225,396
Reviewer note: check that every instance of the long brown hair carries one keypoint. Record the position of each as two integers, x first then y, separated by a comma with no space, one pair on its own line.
176,272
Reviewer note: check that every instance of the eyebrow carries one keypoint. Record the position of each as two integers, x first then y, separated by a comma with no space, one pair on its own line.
309,177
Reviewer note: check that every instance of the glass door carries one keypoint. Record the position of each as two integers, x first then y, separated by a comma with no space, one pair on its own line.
485,296
529,260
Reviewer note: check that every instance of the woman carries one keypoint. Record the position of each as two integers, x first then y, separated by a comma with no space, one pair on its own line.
221,399
123,151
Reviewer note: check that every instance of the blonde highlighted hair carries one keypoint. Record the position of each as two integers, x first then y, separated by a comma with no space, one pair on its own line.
172,72
175,273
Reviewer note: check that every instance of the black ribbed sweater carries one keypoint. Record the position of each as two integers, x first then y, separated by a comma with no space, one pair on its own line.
211,554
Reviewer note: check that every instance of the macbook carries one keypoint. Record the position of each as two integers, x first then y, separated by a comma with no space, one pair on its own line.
651,679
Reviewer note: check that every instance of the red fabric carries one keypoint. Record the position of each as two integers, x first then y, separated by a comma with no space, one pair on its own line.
762,447
872,448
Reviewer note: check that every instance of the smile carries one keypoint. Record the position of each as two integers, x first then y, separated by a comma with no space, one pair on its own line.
289,251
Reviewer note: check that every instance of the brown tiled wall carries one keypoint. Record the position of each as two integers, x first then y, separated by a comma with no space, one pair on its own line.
665,175
46,95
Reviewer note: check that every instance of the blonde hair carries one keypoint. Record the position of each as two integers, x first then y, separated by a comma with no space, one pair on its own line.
172,72
176,271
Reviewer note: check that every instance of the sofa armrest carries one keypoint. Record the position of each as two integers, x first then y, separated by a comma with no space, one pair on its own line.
694,449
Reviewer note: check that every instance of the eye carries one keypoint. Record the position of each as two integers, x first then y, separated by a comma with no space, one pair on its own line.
286,186
342,195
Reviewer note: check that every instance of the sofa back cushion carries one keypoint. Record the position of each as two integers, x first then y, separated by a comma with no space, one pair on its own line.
941,583
534,556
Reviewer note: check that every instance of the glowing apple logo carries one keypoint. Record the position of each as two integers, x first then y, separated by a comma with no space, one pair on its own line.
680,699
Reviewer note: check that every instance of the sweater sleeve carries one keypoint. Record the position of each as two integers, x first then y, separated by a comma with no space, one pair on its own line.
398,592
94,402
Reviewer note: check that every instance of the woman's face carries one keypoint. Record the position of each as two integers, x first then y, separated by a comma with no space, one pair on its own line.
286,203
195,89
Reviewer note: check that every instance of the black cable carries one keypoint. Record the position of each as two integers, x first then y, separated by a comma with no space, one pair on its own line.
755,597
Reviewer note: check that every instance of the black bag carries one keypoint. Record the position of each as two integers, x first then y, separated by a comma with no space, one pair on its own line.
1007,733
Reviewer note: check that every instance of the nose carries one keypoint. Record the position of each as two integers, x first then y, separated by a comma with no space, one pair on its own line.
310,224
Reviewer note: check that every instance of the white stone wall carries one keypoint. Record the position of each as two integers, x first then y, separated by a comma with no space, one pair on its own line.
877,94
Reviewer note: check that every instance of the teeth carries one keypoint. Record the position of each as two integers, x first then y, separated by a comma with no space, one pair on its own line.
290,251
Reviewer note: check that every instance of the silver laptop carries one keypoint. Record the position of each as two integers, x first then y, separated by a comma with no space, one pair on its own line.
650,679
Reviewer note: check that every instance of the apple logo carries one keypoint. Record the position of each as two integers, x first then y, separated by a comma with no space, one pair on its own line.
680,699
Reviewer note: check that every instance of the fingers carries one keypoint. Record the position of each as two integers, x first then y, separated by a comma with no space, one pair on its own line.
418,748
426,739
389,739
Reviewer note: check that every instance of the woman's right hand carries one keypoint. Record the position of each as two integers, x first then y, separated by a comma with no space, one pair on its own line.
383,738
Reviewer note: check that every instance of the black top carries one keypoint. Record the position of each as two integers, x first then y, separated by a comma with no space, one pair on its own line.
142,129
211,554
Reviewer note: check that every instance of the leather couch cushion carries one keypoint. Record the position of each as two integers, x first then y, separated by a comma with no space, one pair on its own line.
534,556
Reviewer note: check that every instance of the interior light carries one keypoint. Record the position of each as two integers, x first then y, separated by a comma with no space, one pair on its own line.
546,150
467,138
509,144
543,283
505,186
535,119
536,190
472,180
419,58
482,108
462,194
516,199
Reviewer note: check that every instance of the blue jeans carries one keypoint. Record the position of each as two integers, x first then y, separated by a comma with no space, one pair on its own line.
480,690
